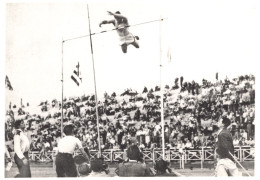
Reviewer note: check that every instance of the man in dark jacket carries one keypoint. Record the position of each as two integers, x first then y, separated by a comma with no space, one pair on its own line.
225,151
133,166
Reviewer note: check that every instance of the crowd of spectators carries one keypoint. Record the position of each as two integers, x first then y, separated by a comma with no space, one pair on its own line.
191,112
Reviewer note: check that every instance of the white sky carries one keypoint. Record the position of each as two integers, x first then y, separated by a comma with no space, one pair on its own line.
205,37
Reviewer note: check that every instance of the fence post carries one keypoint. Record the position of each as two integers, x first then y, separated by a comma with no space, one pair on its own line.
153,156
185,152
241,153
53,160
111,155
183,159
202,157
124,154
180,160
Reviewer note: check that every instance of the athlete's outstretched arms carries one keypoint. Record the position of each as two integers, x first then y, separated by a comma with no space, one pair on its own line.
107,22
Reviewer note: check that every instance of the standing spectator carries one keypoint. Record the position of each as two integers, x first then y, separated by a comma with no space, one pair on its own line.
21,148
134,166
147,134
65,166
120,134
224,149
43,151
137,115
167,134
249,126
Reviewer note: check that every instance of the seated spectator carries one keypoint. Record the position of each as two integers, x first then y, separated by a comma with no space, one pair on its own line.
235,141
250,142
188,145
242,142
116,146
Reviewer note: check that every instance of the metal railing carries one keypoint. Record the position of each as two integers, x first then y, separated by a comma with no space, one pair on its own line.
205,154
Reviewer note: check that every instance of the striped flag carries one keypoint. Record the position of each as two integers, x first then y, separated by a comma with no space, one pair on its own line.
8,83
76,75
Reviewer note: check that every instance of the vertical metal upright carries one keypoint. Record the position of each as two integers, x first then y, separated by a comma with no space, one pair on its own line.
161,92
62,86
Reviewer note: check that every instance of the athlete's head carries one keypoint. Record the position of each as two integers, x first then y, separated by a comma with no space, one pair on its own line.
117,12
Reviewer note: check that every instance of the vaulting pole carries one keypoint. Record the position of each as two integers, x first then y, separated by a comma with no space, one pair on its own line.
239,163
161,90
90,36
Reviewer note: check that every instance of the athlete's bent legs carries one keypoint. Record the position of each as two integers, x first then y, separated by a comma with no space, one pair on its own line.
124,48
135,43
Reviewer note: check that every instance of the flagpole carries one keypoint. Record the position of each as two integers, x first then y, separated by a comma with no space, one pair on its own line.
161,90
62,87
90,37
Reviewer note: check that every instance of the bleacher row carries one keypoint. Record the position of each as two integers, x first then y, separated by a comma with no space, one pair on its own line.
242,153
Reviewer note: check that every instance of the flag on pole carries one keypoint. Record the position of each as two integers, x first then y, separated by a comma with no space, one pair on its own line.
8,83
76,75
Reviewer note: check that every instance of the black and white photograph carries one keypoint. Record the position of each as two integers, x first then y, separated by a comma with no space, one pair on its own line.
129,88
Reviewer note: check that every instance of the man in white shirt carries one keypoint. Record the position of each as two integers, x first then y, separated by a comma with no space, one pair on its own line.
157,127
21,148
65,166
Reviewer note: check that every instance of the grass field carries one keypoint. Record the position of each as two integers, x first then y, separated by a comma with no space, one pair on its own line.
191,170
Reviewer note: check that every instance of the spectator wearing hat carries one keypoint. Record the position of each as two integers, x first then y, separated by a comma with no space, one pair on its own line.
65,166
224,149
21,148
134,166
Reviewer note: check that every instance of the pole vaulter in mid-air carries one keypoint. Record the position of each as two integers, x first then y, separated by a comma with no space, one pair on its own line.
122,28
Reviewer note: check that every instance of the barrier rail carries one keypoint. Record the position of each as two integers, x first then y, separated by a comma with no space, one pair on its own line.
244,153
